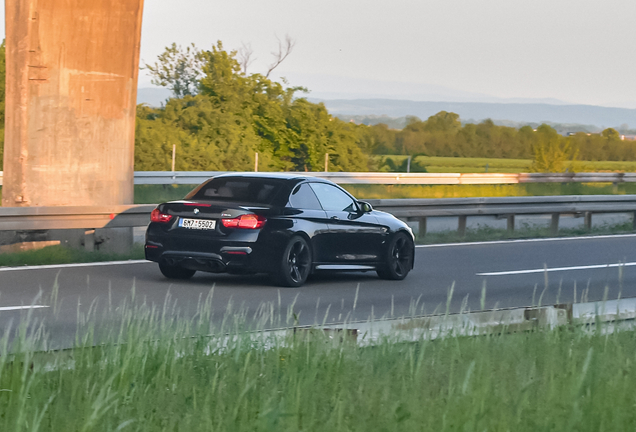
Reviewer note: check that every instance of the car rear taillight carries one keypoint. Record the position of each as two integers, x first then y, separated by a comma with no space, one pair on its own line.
157,216
246,221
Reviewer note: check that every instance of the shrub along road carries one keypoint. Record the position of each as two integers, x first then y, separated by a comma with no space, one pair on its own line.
512,272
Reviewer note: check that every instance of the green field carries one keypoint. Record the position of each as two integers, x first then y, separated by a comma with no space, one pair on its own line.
149,374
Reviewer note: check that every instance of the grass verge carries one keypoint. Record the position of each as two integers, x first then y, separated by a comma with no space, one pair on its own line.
151,375
484,233
64,255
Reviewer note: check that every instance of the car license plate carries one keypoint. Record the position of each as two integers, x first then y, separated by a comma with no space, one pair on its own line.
201,224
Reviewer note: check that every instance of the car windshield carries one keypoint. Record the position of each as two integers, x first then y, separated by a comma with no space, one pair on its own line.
237,189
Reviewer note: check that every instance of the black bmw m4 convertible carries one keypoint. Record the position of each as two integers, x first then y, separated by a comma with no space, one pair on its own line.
285,225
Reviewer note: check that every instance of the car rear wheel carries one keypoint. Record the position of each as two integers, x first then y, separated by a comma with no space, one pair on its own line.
295,265
399,258
175,272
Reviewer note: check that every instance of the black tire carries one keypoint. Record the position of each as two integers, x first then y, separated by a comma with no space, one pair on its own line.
175,272
295,263
398,258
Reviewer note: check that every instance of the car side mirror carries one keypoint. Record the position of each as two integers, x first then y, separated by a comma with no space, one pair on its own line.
365,207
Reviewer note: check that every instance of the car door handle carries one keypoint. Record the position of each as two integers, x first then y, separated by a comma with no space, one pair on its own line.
335,218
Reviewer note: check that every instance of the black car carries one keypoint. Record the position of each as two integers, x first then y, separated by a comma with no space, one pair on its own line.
282,224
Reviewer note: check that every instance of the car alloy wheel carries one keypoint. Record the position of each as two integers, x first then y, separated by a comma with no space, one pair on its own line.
296,263
400,258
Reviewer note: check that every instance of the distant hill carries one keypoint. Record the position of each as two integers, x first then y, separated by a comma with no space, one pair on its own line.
591,115
394,111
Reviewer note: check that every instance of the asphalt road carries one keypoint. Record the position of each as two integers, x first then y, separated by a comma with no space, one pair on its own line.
513,274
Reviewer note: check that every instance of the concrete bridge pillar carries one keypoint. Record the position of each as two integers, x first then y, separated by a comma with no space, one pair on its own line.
71,93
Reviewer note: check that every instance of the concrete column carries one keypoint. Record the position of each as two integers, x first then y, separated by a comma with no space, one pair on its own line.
71,93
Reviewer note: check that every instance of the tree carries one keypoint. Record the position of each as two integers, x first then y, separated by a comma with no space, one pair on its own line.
235,115
177,69
245,59
284,50
443,122
552,152
611,134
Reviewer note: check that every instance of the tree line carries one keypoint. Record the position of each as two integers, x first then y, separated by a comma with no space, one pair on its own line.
444,135
220,116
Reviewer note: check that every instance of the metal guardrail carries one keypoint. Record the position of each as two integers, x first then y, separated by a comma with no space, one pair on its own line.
67,217
196,177
74,217
508,207
405,208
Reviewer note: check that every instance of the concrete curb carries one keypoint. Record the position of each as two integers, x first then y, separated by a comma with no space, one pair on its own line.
486,322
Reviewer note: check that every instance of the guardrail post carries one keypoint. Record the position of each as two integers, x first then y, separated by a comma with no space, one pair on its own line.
461,226
421,230
89,240
510,223
588,221
634,222
554,226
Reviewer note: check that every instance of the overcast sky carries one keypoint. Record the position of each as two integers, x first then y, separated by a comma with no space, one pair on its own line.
579,51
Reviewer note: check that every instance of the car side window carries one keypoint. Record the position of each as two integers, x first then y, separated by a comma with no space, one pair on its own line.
333,199
302,197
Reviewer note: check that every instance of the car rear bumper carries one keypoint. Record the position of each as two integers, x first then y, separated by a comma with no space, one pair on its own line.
225,258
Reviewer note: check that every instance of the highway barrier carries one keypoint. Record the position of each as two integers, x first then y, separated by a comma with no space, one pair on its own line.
614,314
196,177
94,217
602,316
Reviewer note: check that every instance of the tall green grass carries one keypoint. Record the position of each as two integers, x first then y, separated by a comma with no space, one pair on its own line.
151,372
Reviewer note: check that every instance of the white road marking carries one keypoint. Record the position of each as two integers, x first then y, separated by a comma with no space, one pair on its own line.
59,266
525,240
10,308
542,270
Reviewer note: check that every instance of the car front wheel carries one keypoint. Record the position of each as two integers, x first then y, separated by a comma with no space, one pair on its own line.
295,264
398,258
